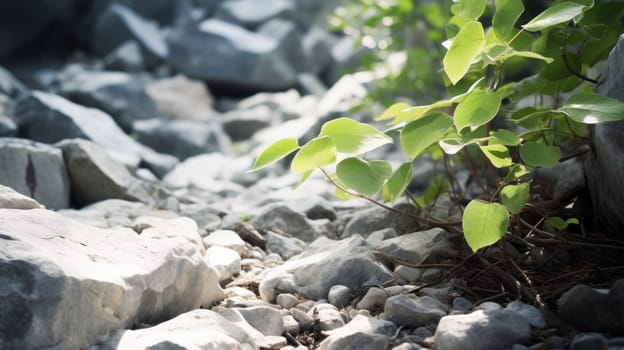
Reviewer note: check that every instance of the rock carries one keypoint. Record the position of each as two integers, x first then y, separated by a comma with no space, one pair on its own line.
117,24
286,300
291,326
226,261
119,94
408,346
588,341
310,84
532,314
35,170
161,228
182,98
224,54
604,169
10,199
306,322
413,247
181,138
112,213
198,329
369,220
314,207
8,128
373,300
248,233
50,118
461,305
327,317
95,176
9,85
317,45
495,329
279,217
225,238
409,274
265,319
242,124
346,56
127,57
289,38
360,333
56,270
407,310
286,247
594,310
376,237
339,295
323,265
252,13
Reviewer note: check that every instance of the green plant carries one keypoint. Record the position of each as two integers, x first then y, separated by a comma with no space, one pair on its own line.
487,74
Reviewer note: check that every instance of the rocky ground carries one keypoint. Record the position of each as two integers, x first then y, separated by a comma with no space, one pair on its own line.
129,218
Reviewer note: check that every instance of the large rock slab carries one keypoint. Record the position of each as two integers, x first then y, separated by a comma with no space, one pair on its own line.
224,54
198,329
324,264
604,169
50,118
36,170
594,310
55,271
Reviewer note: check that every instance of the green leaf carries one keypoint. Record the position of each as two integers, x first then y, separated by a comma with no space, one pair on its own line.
559,13
484,223
433,191
416,112
477,109
514,197
561,224
275,151
397,183
467,45
517,171
528,54
422,133
364,177
393,110
303,178
539,154
452,145
506,137
498,155
352,137
506,14
471,9
317,153
590,108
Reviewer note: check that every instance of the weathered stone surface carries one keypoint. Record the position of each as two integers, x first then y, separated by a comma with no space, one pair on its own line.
594,310
119,94
410,311
182,98
95,176
289,38
360,333
252,13
56,270
224,54
324,264
225,261
373,300
286,247
242,124
10,86
225,238
181,138
35,170
126,57
486,330
369,220
162,228
198,329
414,246
50,118
339,295
11,199
327,315
267,320
115,212
281,217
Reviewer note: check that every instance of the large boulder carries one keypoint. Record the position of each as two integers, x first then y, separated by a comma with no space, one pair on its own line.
324,264
50,118
604,169
229,56
253,13
182,98
57,271
36,170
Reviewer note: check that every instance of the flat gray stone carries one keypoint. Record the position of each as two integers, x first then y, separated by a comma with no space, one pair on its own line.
411,311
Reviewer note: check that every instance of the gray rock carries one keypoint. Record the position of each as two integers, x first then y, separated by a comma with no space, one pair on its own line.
588,341
35,170
224,54
286,300
373,300
265,319
488,306
410,311
604,170
117,24
369,220
119,94
532,314
305,321
360,333
10,199
198,329
161,228
327,316
225,238
127,57
8,128
226,261
10,86
56,270
409,274
50,118
346,57
594,310
286,247
484,330
462,305
414,246
317,45
291,325
95,176
339,295
375,238
182,98
252,13
310,84
315,207
242,124
283,218
181,138
408,346
323,265
289,37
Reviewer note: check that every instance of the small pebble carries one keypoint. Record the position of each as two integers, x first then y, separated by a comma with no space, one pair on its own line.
373,300
339,295
286,300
